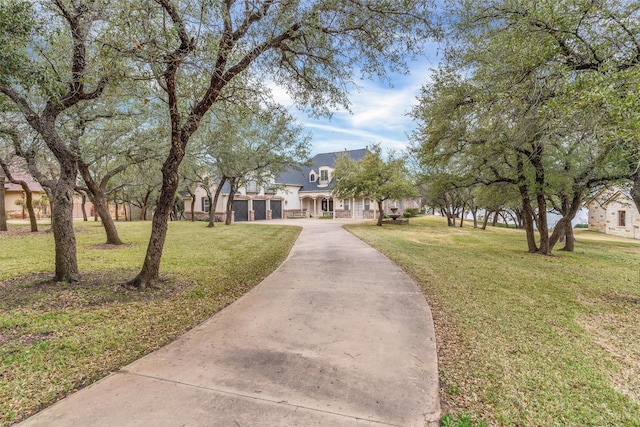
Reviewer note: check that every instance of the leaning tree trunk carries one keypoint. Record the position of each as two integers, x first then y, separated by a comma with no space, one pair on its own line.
564,227
160,222
62,223
100,207
485,220
214,203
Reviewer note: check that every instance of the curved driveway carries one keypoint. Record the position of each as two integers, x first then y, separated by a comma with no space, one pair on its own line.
338,335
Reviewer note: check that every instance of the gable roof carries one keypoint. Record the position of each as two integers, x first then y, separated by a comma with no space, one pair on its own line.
21,176
300,175
610,194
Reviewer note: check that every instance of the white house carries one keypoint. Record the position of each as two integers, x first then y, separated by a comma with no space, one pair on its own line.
302,191
612,211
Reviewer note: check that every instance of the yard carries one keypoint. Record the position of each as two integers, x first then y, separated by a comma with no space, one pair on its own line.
525,339
56,338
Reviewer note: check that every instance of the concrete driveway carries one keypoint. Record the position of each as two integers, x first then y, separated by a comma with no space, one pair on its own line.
338,335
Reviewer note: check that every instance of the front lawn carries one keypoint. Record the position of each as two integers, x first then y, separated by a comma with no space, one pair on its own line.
525,339
56,337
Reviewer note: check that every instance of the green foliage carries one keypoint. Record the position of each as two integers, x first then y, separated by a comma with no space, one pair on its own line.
412,211
372,176
17,24
529,101
460,420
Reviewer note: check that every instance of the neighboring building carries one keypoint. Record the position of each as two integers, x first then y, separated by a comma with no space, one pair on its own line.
304,191
612,211
14,198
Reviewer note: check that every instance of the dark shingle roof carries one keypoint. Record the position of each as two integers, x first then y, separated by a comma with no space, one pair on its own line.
300,176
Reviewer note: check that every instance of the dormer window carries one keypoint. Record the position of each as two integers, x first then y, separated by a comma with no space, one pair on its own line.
312,177
324,176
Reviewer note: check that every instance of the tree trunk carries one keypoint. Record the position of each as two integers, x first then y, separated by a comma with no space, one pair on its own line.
569,239
193,207
84,207
635,189
62,223
474,213
496,217
117,210
232,190
150,271
33,221
564,227
214,202
381,214
3,211
527,219
462,219
100,206
145,204
485,220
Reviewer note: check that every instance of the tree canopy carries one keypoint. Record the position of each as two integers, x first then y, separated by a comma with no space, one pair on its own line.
374,177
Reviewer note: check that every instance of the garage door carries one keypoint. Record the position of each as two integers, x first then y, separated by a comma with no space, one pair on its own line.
276,209
241,209
259,210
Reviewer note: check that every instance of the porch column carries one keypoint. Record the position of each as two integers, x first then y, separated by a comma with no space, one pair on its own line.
315,206
335,204
353,207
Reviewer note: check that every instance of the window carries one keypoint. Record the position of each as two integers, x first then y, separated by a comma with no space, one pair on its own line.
367,204
312,177
622,218
205,204
252,187
324,175
346,204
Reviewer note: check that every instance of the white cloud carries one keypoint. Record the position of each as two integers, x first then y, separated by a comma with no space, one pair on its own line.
378,113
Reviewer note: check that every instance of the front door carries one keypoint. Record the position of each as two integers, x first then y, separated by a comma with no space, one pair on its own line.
327,205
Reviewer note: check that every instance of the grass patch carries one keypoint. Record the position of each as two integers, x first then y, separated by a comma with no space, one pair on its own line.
56,337
525,339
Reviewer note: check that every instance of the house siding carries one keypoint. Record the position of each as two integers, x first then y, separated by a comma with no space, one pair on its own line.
604,215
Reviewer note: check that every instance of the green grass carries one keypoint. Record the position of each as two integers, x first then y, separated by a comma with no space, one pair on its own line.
525,339
57,337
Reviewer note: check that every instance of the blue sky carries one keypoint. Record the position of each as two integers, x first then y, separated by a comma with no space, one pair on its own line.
378,112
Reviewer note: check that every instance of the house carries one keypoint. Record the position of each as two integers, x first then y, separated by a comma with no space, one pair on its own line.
15,198
612,211
301,191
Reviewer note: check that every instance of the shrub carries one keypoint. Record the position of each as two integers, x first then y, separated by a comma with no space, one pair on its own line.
407,214
412,212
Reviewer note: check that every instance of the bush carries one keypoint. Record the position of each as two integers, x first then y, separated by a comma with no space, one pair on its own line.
412,212
581,226
407,214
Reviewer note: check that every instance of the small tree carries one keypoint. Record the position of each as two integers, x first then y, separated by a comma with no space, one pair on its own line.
374,177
